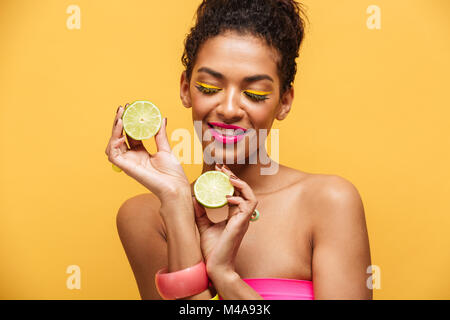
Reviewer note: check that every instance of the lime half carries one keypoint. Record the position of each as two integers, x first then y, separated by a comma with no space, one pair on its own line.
141,120
211,188
116,168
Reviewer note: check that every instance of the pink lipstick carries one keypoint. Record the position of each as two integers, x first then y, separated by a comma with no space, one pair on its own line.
226,133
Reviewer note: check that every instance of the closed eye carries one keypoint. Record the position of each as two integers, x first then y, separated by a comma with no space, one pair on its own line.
206,88
252,94
256,97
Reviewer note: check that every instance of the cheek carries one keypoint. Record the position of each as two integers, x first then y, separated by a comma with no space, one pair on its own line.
262,115
201,105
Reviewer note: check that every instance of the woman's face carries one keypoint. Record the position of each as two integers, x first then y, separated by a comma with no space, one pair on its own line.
234,84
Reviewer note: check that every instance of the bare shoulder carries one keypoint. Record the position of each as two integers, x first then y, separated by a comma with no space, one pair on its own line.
320,189
142,209
146,201
326,194
331,189
335,202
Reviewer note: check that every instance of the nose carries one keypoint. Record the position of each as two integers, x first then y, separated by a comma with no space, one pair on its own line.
229,109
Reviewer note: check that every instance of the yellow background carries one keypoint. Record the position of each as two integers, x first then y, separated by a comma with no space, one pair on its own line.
370,105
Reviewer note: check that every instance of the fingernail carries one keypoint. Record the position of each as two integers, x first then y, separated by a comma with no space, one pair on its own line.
228,196
232,176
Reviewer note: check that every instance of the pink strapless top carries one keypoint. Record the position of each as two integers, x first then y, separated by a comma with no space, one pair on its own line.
281,288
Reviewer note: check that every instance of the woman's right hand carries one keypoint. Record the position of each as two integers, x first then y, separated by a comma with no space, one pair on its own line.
161,172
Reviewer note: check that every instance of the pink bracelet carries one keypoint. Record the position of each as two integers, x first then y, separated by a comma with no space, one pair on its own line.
182,283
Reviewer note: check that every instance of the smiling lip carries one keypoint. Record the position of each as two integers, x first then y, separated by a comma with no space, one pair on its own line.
226,126
224,138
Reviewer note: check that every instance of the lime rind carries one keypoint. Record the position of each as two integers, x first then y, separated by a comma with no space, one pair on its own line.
211,188
116,168
141,120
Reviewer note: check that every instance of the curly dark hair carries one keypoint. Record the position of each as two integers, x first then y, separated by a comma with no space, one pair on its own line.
279,22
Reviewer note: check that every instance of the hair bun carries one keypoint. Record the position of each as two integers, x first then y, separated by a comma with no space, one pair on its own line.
280,22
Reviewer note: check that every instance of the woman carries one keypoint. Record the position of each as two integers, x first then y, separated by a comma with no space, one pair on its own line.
240,65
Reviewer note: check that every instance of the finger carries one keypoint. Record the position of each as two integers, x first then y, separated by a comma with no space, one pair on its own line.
218,167
201,219
134,144
235,200
117,160
162,143
247,207
235,206
113,131
245,191
120,144
116,117
117,130
199,209
117,138
237,225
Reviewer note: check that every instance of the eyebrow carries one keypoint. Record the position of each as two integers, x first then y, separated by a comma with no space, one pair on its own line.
253,78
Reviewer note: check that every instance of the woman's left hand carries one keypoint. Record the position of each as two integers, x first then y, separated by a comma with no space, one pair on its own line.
220,241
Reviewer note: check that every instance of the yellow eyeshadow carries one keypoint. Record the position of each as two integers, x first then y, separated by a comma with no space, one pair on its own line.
259,92
207,85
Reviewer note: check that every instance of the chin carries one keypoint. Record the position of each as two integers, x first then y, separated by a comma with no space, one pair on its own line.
240,153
